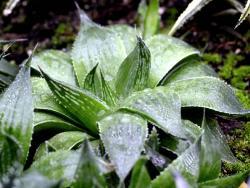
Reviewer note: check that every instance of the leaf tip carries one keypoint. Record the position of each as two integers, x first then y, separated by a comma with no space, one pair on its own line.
83,16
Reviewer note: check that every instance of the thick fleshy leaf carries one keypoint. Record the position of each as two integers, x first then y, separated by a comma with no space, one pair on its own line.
42,151
188,68
206,92
210,157
16,114
178,146
88,173
166,52
32,180
123,136
245,13
160,108
180,182
216,136
171,143
140,177
44,100
7,68
55,63
127,35
141,13
10,5
36,180
108,95
194,131
152,19
4,81
190,11
83,105
67,140
48,122
59,165
187,164
10,150
96,83
164,182
133,73
8,72
92,82
228,182
96,45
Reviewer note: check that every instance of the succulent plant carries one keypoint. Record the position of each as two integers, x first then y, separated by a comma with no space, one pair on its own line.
117,103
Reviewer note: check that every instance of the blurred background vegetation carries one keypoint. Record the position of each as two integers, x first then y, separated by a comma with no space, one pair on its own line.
54,24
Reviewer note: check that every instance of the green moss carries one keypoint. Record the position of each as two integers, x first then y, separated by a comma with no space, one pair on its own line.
212,58
239,76
228,68
244,98
240,144
63,35
231,60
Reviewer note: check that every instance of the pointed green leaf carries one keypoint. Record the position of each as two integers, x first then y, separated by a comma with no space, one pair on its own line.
140,177
188,68
84,106
59,165
164,182
178,146
96,45
123,136
153,140
10,149
187,164
48,122
134,71
55,63
210,157
108,95
160,108
207,92
171,143
16,114
67,140
99,87
194,131
92,82
42,151
219,140
228,182
44,100
245,13
166,52
190,11
88,173
152,19
152,147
